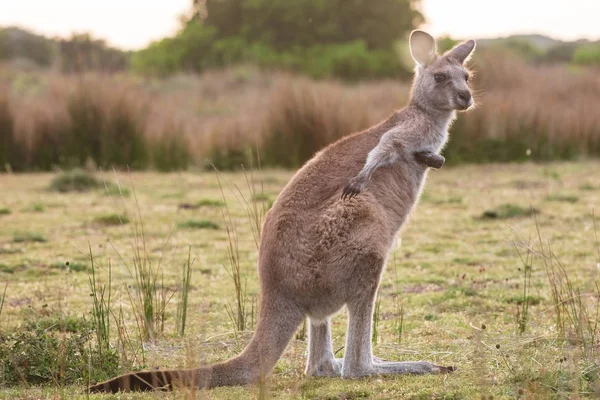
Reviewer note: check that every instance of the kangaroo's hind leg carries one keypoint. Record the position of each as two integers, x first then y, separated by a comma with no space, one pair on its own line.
321,360
358,357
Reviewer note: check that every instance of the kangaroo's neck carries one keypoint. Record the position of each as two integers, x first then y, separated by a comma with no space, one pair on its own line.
439,121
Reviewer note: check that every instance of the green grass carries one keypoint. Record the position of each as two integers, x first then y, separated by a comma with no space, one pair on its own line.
74,266
565,198
209,203
260,197
111,220
22,237
453,273
36,208
198,224
5,211
6,269
508,210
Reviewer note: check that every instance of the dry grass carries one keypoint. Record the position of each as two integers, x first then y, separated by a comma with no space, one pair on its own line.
454,274
525,112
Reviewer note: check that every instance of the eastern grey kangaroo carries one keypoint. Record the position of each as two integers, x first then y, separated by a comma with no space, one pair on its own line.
319,252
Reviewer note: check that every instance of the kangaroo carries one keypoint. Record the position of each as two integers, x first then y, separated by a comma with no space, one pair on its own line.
320,252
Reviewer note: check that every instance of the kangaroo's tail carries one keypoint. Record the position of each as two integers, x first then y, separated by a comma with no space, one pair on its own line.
277,323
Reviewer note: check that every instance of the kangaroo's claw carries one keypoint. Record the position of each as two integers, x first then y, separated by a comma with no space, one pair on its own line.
353,188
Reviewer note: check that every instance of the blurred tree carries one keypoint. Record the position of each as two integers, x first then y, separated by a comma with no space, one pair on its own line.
19,43
82,53
282,24
350,39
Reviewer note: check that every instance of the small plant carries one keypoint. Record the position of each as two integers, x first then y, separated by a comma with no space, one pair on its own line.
38,207
185,290
101,305
6,269
5,211
209,203
301,333
563,198
449,200
201,224
257,197
376,319
59,323
112,220
75,266
506,211
523,304
115,190
3,298
76,180
22,237
240,315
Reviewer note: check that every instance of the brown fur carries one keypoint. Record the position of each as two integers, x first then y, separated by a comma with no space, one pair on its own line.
318,253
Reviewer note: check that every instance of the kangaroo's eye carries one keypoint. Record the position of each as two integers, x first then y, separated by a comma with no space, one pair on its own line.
467,77
439,78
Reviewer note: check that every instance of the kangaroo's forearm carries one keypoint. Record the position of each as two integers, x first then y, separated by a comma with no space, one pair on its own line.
430,159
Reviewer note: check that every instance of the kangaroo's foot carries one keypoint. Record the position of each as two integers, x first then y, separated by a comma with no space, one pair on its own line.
331,368
430,159
321,360
397,368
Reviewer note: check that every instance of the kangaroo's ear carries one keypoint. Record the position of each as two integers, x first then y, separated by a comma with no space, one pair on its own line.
422,48
463,51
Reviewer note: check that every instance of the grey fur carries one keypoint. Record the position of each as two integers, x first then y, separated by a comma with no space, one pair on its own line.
319,252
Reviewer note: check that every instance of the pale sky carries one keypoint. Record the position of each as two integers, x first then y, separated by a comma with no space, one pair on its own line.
132,24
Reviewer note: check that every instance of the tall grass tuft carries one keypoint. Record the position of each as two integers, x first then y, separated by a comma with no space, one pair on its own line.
3,298
11,150
239,314
576,311
101,304
305,116
376,320
524,112
106,125
523,305
182,306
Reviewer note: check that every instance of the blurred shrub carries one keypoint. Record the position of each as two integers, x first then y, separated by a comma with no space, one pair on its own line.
11,151
306,117
106,125
76,180
170,152
587,54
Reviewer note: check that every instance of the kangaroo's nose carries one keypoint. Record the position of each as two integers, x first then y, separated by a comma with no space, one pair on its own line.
464,95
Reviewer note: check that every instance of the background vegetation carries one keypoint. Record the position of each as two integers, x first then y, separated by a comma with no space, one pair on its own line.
244,77
92,284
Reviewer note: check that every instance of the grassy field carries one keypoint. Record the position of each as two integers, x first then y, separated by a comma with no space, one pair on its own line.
453,292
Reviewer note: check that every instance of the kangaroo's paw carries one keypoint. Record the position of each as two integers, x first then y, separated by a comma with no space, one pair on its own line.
354,187
430,159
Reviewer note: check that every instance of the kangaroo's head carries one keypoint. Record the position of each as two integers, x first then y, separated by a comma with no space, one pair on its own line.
441,82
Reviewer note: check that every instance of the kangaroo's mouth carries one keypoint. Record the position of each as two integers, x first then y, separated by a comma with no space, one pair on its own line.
464,104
